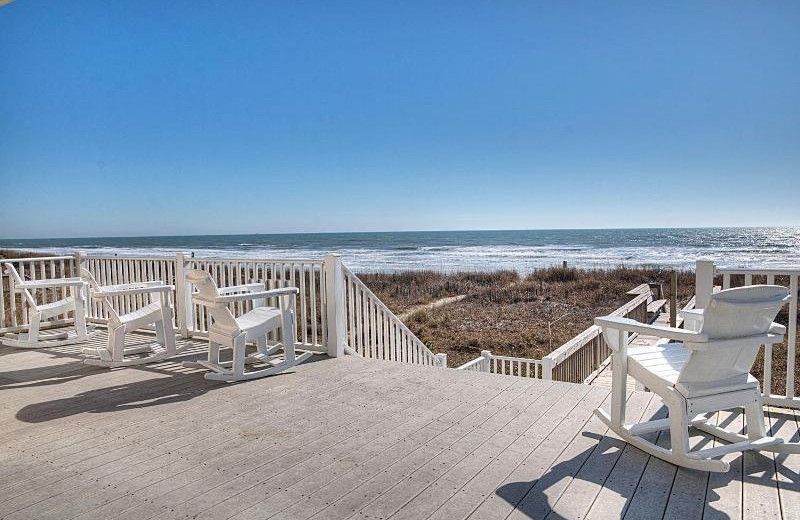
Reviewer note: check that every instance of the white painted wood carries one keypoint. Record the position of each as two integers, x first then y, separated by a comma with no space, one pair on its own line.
37,313
704,282
229,331
335,306
374,331
150,304
708,372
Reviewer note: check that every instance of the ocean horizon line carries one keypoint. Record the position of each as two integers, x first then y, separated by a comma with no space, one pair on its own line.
476,230
466,250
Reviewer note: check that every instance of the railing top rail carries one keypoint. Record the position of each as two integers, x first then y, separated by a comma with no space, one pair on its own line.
253,259
568,348
129,257
471,363
37,258
635,302
755,270
519,359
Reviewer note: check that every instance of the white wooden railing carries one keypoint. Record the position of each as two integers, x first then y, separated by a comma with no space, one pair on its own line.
373,331
504,365
579,358
706,271
335,311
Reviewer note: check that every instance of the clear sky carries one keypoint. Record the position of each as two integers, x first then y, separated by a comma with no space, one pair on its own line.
177,117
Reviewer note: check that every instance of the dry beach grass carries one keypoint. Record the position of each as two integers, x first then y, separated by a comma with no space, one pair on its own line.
509,314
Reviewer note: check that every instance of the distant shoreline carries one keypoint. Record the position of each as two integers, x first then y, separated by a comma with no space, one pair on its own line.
522,250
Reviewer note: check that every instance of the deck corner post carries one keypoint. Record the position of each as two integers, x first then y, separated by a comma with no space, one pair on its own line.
81,262
335,305
704,282
547,369
442,357
486,364
184,309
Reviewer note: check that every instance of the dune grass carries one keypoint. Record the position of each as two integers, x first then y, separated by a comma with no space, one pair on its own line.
509,314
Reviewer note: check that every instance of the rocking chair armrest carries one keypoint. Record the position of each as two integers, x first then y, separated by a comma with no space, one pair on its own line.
52,282
286,291
131,289
629,325
245,288
777,328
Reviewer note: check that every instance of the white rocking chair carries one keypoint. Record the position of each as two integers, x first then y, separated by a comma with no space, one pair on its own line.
707,372
227,331
39,313
155,311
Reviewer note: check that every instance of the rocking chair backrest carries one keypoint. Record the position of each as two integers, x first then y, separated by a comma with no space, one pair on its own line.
733,313
18,281
207,291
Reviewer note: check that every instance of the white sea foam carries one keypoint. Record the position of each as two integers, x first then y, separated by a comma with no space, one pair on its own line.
764,247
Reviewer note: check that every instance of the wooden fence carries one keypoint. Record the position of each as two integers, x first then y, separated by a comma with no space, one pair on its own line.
577,359
504,365
373,331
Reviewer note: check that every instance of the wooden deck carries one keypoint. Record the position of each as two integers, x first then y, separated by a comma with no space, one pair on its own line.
345,438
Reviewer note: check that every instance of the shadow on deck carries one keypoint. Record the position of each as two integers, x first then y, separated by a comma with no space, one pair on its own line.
346,438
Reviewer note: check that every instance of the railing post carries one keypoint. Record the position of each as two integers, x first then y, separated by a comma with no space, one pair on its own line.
442,357
81,260
547,369
703,282
486,364
335,302
184,309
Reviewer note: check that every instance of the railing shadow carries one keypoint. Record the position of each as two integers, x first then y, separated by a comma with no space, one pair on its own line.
531,498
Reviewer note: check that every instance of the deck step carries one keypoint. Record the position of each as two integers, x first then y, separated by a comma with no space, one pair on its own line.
655,306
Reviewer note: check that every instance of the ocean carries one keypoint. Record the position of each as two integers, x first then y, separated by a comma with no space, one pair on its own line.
522,250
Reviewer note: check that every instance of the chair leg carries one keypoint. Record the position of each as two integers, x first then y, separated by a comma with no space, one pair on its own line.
161,338
261,345
678,428
33,329
754,418
116,343
239,354
213,352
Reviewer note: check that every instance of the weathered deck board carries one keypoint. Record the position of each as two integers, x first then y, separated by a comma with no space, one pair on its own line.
344,438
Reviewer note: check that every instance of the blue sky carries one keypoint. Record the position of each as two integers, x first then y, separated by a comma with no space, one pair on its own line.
157,118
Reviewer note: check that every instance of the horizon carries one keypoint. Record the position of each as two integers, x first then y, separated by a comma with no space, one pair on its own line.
179,119
8,239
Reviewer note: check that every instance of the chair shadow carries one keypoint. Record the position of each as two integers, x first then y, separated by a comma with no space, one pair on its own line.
126,396
33,377
531,497
178,386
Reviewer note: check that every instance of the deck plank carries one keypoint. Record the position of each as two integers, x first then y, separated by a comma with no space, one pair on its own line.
613,499
724,493
343,438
